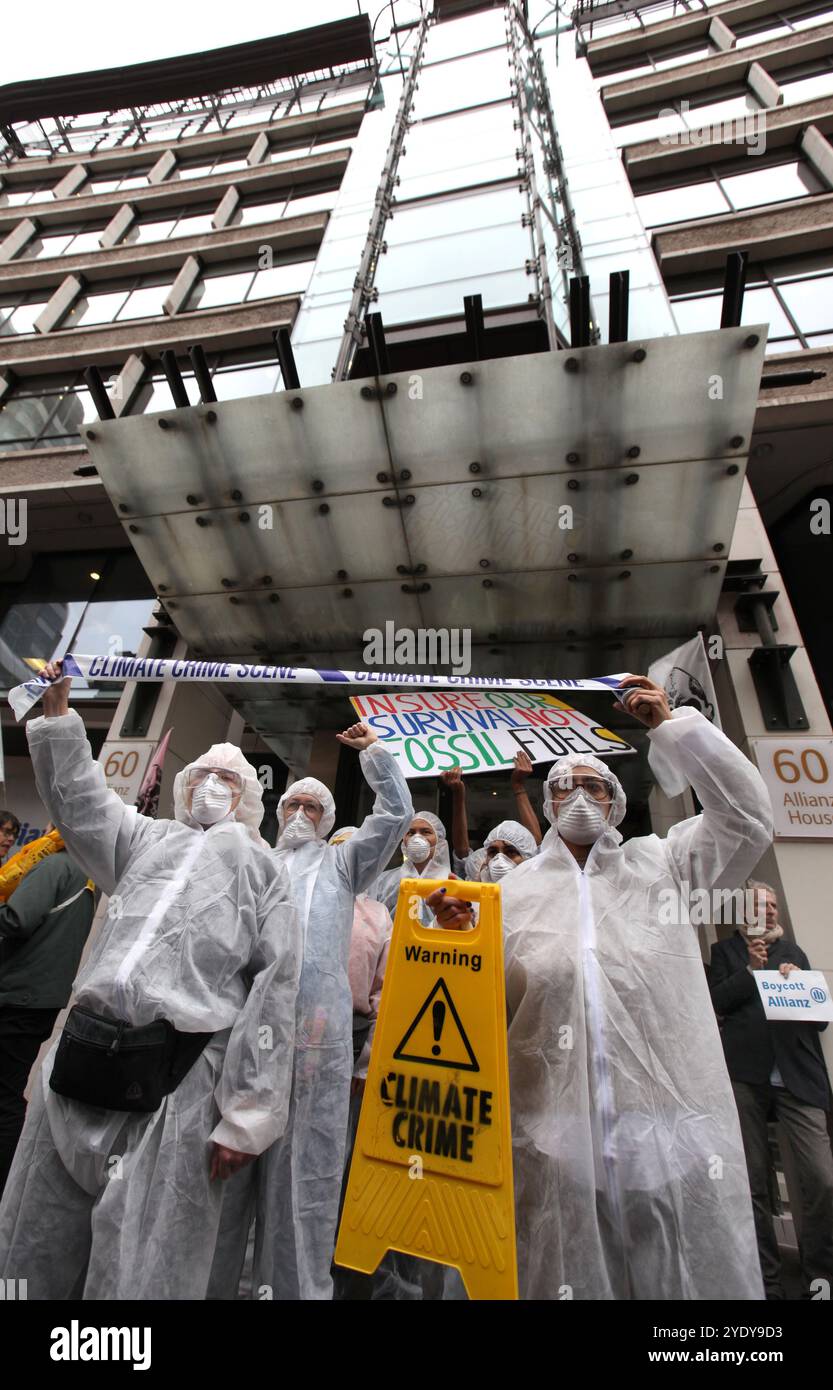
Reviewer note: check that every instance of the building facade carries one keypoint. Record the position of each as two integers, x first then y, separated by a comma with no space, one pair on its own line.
509,247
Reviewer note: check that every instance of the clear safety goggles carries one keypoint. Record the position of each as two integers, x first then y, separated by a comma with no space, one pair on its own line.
231,779
597,788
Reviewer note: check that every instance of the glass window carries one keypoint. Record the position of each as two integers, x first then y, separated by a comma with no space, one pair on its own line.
811,303
609,79
311,202
806,88
820,340
282,155
458,150
155,395
699,314
730,108
94,308
344,96
692,55
281,279
87,241
214,290
246,381
43,247
193,226
98,186
72,410
227,166
145,303
192,171
251,215
462,83
44,408
812,20
435,300
773,185
22,318
777,345
455,37
142,232
762,306
681,204
652,129
775,31
134,181
101,620
440,217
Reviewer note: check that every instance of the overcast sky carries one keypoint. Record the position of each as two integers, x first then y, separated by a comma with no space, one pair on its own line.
45,38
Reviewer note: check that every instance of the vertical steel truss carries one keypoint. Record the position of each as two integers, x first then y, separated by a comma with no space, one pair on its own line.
364,290
534,96
537,265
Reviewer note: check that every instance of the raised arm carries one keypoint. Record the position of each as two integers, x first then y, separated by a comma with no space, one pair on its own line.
98,829
453,779
523,805
720,847
363,857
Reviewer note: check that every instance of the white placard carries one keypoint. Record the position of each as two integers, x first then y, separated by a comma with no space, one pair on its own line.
798,772
479,730
803,996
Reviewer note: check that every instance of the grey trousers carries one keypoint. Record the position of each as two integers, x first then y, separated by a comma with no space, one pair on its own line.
806,1129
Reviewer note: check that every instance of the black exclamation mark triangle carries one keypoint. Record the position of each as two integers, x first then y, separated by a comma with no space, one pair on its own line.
437,1036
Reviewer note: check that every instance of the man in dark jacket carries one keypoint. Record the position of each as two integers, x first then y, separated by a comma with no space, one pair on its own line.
43,928
778,1072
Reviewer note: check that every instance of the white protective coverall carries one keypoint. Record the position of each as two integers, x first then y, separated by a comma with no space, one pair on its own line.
630,1179
200,930
299,1179
386,887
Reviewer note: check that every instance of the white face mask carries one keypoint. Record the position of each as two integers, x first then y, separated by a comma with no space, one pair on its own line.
580,819
418,849
496,868
298,829
211,800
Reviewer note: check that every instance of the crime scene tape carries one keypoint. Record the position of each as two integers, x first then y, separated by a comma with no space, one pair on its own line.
431,1173
140,668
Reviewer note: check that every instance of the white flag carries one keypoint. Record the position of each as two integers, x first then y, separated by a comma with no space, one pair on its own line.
686,678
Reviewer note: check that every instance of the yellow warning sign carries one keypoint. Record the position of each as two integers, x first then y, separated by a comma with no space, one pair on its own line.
432,1166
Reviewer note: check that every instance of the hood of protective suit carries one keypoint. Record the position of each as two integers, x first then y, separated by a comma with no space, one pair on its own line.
249,809
573,760
310,786
515,835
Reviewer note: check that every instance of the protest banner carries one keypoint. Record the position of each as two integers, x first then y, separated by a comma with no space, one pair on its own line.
478,730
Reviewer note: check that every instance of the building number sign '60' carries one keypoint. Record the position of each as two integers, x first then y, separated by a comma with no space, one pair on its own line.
799,778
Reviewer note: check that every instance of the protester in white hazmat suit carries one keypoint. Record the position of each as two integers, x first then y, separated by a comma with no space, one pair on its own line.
505,847
424,855
299,1179
106,1203
630,1180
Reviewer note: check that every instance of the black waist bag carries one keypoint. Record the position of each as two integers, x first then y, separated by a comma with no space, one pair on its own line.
119,1067
361,1028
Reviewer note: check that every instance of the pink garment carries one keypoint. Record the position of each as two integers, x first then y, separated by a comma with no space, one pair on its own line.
369,943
